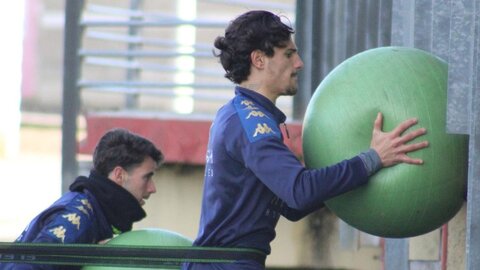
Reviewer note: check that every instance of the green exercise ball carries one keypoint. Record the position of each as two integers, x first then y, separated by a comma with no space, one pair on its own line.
404,200
145,237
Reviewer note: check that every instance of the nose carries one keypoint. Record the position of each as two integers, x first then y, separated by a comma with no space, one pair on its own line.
151,187
299,63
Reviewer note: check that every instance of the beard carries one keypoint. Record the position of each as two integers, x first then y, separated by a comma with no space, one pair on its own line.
293,87
291,91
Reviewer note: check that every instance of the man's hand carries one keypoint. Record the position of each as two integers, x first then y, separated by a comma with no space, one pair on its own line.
392,146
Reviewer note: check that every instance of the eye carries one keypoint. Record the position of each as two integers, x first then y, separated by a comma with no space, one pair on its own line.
289,53
148,177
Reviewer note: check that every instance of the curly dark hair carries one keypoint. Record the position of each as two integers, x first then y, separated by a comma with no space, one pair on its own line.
254,30
120,147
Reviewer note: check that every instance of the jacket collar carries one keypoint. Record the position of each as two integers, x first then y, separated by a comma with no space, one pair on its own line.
262,101
119,206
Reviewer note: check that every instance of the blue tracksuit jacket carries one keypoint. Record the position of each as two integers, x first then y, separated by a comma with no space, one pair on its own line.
75,218
252,178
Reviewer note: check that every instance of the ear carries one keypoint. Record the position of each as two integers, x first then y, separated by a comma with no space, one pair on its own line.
117,174
258,59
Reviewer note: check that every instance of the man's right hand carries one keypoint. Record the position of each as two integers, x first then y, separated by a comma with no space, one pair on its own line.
392,146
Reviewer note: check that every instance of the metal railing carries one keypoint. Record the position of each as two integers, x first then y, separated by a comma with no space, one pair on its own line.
148,57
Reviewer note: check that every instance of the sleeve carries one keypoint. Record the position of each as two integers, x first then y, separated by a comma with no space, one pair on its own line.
68,224
295,215
71,224
300,188
372,161
263,152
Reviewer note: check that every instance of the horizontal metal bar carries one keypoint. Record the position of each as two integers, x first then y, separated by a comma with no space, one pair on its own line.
138,53
145,84
147,23
198,95
142,14
136,65
125,12
257,4
140,40
111,255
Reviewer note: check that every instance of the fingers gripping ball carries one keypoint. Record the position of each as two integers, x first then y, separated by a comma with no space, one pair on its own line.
145,237
403,200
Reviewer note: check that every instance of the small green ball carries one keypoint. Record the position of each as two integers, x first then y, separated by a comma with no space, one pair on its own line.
145,237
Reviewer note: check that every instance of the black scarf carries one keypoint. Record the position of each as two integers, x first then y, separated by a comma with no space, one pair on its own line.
119,206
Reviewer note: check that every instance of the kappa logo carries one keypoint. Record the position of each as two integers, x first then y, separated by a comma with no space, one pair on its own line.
249,105
74,219
247,102
83,210
59,232
87,204
255,114
262,129
250,108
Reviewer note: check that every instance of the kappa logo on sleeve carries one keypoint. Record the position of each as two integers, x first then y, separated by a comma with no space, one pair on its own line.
262,129
256,123
87,204
82,209
59,232
85,207
74,219
256,114
247,102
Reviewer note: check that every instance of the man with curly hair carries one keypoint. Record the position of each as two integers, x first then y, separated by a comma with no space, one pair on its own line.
251,176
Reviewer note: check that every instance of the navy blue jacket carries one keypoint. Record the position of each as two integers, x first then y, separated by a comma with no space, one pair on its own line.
252,178
75,218
88,214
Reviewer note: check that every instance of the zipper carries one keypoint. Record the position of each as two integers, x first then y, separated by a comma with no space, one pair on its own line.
286,130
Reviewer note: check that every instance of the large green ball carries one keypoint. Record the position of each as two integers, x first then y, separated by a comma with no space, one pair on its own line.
145,237
403,200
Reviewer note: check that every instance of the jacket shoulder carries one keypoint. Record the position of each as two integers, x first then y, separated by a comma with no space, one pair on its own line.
256,121
68,220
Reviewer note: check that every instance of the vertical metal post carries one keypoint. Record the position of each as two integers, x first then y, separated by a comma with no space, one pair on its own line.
461,66
385,23
423,17
396,250
403,23
463,108
307,40
131,101
441,29
71,100
471,65
473,197
403,20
